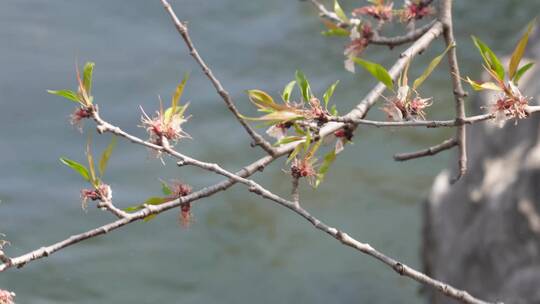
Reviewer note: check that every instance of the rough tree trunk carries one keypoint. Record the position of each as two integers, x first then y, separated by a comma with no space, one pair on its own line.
483,233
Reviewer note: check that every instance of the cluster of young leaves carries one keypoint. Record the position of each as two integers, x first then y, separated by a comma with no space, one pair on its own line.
83,96
89,173
382,74
501,75
297,116
401,89
289,111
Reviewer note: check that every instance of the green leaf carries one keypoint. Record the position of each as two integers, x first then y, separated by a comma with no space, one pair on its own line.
81,169
377,70
264,101
165,189
88,70
156,200
294,152
490,58
329,93
299,130
325,166
105,156
150,217
276,116
313,150
480,86
175,100
522,71
133,208
307,142
70,95
90,158
303,84
149,201
334,110
288,90
432,65
336,32
519,51
287,139
339,12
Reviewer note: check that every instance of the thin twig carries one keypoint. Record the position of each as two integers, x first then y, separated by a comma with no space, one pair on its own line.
183,31
445,145
445,16
399,40
295,193
426,123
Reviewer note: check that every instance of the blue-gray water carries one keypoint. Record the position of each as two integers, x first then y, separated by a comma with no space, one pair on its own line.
240,249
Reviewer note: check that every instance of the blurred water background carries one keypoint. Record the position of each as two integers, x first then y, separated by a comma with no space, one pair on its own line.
240,249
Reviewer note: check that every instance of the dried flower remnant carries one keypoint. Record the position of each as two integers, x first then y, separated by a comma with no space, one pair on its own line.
102,193
178,189
510,106
380,10
316,111
7,297
341,137
166,126
186,218
173,190
77,117
416,10
159,127
359,42
304,168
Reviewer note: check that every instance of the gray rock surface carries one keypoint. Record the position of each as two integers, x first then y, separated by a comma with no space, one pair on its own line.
483,233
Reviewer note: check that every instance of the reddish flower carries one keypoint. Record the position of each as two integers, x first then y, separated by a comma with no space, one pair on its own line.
304,168
341,137
511,104
417,105
379,11
77,117
185,215
404,106
161,126
179,189
7,297
415,10
102,193
316,111
359,42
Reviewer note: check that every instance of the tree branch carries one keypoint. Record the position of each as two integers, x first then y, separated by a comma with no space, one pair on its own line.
445,145
183,31
426,123
445,16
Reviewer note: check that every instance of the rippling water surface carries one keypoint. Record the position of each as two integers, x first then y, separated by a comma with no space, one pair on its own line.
241,249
